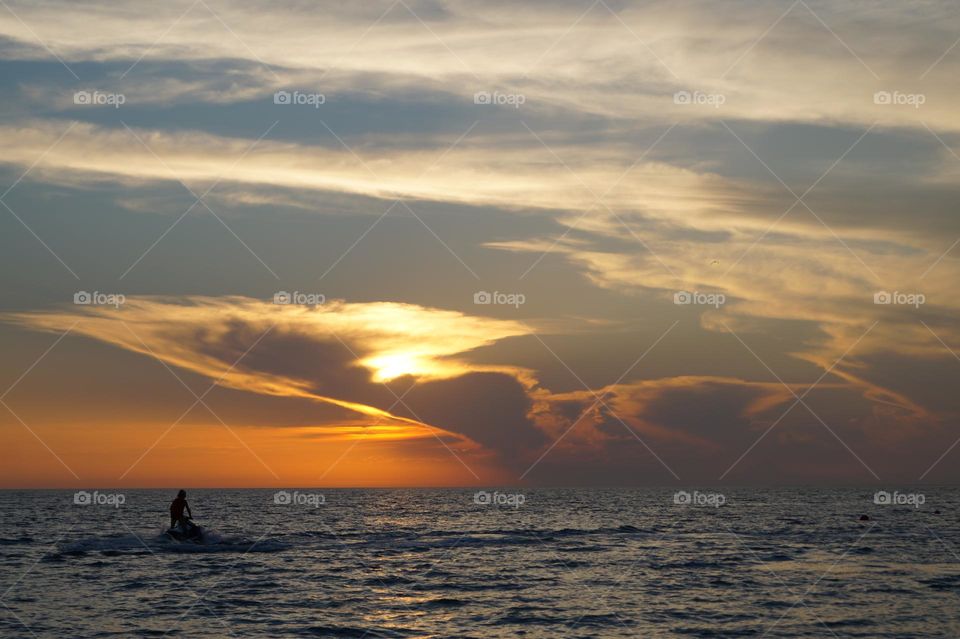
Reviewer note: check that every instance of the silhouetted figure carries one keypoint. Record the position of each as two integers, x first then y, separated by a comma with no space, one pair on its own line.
181,526
176,510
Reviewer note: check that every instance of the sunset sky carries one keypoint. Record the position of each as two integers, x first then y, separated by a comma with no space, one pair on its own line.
724,240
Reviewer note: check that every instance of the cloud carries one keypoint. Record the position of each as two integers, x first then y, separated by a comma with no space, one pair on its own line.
771,74
333,353
480,172
589,168
824,283
708,428
694,427
490,408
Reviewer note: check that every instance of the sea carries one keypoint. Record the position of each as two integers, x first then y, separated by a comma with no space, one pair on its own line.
496,562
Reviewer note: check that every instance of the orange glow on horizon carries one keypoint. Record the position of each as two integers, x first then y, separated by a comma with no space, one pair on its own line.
209,455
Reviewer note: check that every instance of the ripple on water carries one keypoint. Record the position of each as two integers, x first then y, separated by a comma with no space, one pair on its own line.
402,565
943,582
352,631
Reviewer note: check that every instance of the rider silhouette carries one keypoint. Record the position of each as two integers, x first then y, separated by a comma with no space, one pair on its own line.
177,507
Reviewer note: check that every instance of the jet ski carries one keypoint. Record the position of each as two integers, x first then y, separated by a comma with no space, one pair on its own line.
185,530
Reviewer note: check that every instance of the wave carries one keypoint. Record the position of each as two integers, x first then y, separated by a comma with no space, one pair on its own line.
132,544
348,631
440,538
15,541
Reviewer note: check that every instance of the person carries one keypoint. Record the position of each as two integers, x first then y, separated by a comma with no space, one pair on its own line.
176,510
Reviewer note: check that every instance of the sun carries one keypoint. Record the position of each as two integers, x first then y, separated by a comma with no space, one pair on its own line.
393,365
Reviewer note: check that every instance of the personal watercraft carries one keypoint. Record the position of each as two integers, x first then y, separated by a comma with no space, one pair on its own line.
185,530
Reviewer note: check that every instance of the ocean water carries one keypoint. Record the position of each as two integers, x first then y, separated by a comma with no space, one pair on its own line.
435,563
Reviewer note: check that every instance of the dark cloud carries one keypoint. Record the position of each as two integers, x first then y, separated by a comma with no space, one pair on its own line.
713,411
329,367
490,408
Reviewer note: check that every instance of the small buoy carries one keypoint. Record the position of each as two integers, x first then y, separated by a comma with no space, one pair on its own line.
864,518
936,512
